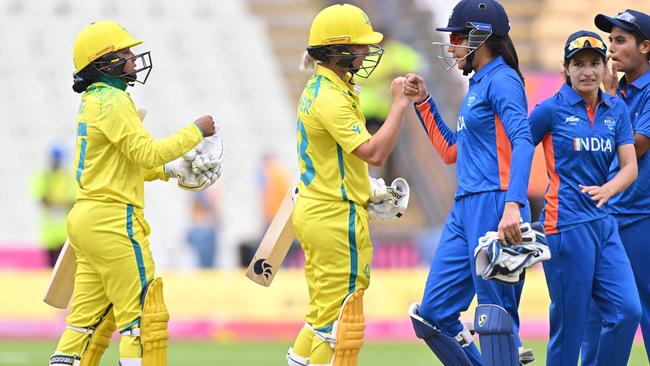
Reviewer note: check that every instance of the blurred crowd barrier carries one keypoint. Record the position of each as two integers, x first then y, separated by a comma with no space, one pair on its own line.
227,306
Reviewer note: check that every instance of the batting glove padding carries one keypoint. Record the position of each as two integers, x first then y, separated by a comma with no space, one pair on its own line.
394,205
505,262
209,154
181,169
378,190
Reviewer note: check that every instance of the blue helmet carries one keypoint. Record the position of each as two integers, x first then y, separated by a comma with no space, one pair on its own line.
478,11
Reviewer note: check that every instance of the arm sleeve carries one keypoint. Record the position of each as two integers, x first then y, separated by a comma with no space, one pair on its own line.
642,122
540,123
157,173
624,132
509,101
442,138
344,125
122,126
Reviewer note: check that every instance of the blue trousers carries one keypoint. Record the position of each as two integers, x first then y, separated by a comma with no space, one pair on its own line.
589,262
452,281
633,230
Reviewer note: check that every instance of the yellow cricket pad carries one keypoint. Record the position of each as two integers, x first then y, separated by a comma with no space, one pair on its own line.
153,326
99,340
350,330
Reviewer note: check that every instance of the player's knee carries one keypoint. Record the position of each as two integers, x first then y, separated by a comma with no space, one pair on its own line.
433,315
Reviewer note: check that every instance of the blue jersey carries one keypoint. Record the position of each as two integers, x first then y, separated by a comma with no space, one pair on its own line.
579,146
492,143
636,198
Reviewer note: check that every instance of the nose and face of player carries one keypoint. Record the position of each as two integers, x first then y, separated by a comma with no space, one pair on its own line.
585,70
458,48
626,54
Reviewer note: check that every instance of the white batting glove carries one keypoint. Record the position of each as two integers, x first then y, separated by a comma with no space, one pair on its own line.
394,206
378,190
181,170
209,154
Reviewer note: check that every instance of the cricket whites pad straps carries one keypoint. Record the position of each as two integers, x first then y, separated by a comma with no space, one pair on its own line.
349,329
496,334
448,350
99,340
504,262
295,360
153,326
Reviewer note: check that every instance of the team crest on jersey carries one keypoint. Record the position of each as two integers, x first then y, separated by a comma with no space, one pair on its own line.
572,120
610,122
471,100
594,144
356,129
460,124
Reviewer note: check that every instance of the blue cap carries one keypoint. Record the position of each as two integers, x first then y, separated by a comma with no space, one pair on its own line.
478,11
583,40
630,20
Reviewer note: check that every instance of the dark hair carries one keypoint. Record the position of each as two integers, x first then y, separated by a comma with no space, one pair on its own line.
503,46
567,79
85,77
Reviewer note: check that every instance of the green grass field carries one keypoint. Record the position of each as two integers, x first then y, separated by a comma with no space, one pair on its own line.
14,353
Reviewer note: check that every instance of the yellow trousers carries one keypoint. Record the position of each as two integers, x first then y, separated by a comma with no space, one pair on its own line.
114,266
338,252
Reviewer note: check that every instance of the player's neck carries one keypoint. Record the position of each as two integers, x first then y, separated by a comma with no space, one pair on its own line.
631,76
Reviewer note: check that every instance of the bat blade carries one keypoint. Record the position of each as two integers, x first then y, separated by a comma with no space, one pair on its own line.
274,245
59,289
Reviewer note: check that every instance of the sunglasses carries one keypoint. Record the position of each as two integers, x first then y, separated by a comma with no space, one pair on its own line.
457,38
586,42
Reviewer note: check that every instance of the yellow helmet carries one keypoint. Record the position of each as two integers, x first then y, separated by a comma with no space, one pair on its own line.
99,39
342,24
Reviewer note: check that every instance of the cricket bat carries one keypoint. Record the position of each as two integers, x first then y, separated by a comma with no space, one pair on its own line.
275,244
59,289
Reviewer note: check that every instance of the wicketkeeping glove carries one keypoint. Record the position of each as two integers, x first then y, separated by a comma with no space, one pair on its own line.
506,263
181,169
378,190
209,154
394,205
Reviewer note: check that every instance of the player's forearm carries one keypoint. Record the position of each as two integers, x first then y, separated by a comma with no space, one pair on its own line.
382,143
521,161
442,138
151,153
623,179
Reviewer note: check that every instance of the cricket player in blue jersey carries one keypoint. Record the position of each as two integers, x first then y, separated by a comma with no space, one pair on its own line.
583,130
630,54
493,150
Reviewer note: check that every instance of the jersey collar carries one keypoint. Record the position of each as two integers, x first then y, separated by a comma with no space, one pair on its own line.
640,83
498,61
331,76
113,81
574,98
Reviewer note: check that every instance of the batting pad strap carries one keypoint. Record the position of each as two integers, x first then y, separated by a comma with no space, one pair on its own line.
496,334
88,331
349,330
295,360
153,326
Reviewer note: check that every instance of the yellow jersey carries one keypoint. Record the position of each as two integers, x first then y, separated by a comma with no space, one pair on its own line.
330,126
115,154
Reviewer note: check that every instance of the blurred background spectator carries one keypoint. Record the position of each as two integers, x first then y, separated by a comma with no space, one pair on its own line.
204,228
54,189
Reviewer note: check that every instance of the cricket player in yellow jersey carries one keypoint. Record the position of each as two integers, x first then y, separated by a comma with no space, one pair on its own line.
114,282
334,150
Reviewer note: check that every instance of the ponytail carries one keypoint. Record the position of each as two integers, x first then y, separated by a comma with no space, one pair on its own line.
503,46
84,78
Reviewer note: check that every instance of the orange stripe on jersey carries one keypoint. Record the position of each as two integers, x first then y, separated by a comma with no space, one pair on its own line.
447,153
552,200
591,112
504,153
